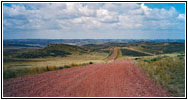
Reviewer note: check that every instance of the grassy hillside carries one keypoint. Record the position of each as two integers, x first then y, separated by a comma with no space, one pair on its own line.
105,45
150,47
54,50
127,52
169,71
26,60
161,48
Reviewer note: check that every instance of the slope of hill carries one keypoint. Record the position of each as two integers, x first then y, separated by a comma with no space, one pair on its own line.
150,47
54,50
161,48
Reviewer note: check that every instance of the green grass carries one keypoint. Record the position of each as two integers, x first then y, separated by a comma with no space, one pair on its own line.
21,71
19,67
128,52
57,61
54,50
168,71
160,48
110,53
15,72
119,53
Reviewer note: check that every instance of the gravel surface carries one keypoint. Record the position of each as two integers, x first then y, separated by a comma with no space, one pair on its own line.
121,78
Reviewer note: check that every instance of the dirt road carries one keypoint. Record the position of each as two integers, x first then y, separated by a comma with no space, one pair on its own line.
113,56
121,78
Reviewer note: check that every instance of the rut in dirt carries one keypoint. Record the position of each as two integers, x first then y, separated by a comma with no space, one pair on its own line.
121,78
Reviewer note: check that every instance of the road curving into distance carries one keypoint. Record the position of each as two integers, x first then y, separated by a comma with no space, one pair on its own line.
121,78
113,56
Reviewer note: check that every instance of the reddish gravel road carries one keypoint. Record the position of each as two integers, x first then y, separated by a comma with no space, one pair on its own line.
113,56
121,78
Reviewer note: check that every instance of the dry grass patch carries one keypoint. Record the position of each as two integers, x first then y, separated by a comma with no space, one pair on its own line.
168,71
20,71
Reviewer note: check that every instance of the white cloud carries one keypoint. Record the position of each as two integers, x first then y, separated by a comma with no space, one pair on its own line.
90,17
14,10
86,11
102,12
147,11
181,16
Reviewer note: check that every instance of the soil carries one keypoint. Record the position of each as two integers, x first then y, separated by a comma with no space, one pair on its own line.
121,78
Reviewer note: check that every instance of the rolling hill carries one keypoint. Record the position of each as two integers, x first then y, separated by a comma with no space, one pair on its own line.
54,50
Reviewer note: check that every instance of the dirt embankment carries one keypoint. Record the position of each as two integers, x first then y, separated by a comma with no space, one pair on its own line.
121,78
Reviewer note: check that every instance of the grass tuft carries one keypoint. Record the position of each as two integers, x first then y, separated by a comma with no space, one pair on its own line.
20,71
168,71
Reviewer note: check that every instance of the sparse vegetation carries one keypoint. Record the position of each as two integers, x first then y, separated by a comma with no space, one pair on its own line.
161,48
43,53
15,72
53,50
168,71
20,71
119,53
110,53
67,66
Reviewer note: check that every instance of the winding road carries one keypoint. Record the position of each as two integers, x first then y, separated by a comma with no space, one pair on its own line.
114,54
121,78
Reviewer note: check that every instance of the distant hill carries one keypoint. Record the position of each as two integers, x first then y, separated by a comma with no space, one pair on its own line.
162,47
36,48
80,42
150,47
54,50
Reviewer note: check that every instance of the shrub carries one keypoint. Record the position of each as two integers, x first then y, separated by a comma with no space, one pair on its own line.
67,66
47,68
181,56
73,65
147,60
136,58
60,67
52,68
90,62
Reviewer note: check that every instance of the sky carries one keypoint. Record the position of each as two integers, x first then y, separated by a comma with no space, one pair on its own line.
93,20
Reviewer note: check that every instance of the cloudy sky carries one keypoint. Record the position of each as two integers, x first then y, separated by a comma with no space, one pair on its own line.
93,20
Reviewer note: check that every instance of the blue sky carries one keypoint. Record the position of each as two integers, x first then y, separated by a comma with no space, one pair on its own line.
94,21
180,7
